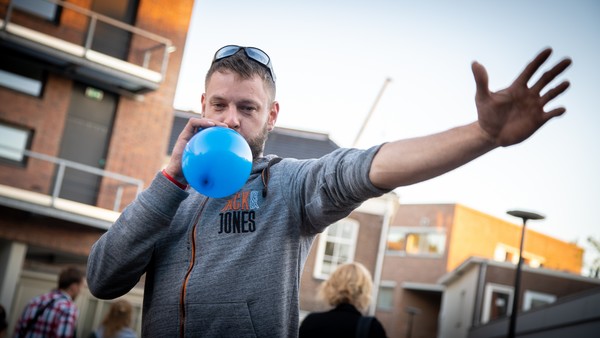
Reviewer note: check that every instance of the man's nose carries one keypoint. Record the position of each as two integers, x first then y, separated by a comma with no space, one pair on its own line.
231,118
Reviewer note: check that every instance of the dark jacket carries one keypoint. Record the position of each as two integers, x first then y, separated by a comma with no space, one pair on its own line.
339,322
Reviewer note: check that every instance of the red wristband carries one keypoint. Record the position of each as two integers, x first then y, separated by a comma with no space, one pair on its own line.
176,182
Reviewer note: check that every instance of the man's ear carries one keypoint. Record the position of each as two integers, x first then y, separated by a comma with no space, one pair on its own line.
203,103
273,113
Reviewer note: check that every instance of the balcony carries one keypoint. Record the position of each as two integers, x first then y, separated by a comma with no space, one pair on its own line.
76,42
50,201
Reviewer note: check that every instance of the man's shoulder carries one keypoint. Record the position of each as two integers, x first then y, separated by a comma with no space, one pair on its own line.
43,298
63,303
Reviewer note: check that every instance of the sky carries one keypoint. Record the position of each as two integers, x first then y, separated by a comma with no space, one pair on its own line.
332,58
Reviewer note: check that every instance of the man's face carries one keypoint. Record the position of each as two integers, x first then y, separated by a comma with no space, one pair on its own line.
244,105
76,288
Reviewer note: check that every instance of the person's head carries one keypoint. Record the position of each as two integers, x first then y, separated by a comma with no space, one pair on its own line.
71,281
350,283
118,317
240,92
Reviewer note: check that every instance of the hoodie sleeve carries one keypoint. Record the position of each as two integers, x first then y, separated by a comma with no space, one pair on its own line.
331,187
120,257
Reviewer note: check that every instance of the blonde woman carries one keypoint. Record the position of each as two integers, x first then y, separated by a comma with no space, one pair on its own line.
348,290
117,323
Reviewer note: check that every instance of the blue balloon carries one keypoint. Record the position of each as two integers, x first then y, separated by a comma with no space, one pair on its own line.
217,162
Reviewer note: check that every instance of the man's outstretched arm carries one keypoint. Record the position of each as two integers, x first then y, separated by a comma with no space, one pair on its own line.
506,117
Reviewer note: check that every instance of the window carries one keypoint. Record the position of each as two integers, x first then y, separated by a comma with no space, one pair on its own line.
21,75
497,301
20,83
336,247
385,296
180,119
43,9
13,140
506,253
416,241
533,299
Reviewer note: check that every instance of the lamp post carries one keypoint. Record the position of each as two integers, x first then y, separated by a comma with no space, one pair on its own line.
525,216
412,311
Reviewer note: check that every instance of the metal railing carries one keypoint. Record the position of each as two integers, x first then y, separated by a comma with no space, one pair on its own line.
158,43
62,164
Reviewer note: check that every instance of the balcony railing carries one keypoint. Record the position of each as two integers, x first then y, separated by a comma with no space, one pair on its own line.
69,46
51,203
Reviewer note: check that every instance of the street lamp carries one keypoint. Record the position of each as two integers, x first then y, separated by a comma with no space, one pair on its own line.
525,216
412,312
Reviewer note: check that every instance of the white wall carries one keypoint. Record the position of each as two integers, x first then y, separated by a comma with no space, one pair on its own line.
456,311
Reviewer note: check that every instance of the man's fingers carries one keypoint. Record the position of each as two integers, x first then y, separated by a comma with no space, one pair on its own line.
554,92
533,66
554,113
550,75
481,79
196,123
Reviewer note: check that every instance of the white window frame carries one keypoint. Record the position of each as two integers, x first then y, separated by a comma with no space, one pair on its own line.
21,83
490,288
534,261
530,296
43,9
387,285
326,237
13,140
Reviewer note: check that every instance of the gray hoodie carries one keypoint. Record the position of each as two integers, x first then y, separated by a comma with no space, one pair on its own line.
228,267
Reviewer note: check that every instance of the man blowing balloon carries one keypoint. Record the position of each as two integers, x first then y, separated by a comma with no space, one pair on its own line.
231,266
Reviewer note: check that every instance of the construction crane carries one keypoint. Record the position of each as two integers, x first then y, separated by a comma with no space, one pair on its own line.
368,117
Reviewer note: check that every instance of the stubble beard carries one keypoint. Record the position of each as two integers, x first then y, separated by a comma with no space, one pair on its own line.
257,144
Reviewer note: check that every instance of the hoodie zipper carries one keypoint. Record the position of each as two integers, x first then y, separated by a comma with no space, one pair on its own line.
188,273
265,179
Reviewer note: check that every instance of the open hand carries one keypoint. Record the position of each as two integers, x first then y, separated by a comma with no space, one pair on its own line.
511,115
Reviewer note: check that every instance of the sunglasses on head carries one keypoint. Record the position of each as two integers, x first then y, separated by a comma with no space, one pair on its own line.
251,52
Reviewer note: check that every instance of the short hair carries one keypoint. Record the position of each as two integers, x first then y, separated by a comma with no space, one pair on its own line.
244,67
349,283
68,276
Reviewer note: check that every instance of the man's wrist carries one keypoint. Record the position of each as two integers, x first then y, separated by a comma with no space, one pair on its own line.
484,135
181,185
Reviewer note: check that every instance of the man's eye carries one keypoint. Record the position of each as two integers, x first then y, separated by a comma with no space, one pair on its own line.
248,109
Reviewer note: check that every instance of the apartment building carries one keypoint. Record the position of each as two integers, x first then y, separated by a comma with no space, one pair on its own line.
479,295
86,105
422,243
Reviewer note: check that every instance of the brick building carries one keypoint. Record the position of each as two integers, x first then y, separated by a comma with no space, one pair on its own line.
86,117
421,244
86,92
478,299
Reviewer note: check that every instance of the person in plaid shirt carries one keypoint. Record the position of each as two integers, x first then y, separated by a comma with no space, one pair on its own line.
53,314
